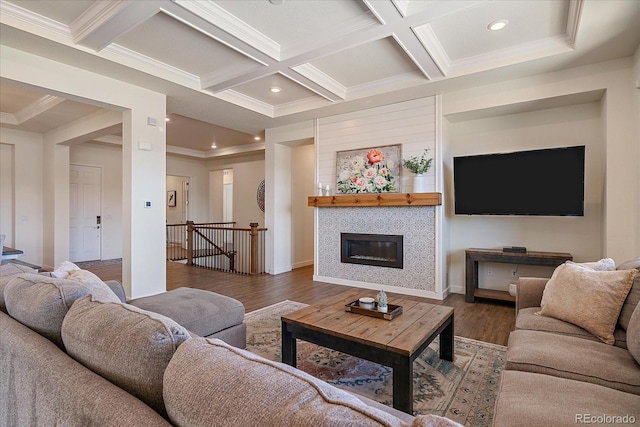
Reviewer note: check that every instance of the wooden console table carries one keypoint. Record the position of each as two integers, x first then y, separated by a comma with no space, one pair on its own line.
474,256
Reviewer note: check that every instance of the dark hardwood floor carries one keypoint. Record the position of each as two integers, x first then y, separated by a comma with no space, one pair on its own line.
487,321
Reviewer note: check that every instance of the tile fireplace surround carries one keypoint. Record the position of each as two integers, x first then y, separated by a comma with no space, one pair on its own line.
416,223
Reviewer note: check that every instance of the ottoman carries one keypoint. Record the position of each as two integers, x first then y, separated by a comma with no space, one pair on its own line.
202,313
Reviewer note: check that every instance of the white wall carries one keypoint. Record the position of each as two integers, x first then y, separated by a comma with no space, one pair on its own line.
615,125
28,192
6,193
636,111
558,127
144,170
411,124
248,171
196,170
302,186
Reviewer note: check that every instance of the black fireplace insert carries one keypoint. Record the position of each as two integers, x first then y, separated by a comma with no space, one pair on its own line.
381,250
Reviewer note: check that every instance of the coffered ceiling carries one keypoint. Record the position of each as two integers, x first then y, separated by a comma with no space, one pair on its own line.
219,60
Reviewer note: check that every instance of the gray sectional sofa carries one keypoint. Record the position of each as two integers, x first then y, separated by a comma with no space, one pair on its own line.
75,353
559,374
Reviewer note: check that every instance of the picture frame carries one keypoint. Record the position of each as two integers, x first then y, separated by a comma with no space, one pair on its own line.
171,198
369,170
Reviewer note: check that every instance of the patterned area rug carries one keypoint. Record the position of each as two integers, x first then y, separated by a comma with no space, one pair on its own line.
463,390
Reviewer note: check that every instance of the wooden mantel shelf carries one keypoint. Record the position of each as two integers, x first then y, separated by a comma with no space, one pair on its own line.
371,200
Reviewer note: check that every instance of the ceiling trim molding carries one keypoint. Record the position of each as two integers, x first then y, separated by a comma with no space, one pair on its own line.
319,77
172,149
247,102
513,55
137,61
8,119
38,107
573,21
432,45
401,81
39,24
402,6
237,149
343,31
219,17
85,28
213,80
299,106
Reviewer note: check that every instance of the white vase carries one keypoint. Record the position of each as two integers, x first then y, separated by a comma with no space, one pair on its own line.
419,183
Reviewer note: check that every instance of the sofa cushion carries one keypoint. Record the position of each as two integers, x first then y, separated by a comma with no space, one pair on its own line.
630,304
573,358
528,319
40,385
207,370
526,399
588,298
128,346
42,302
628,265
202,312
7,271
633,335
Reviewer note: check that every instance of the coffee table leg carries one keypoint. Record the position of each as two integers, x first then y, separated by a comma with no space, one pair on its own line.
403,386
288,346
446,342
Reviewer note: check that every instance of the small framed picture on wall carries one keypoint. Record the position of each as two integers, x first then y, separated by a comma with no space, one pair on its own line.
171,198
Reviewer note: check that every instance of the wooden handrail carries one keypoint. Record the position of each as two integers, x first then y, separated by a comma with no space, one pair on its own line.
194,229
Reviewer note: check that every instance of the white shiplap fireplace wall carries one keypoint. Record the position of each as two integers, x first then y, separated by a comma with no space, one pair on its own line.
414,125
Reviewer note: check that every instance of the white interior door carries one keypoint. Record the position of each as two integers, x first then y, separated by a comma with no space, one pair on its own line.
85,230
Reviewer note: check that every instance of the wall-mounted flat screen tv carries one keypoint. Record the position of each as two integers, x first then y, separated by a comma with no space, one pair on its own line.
536,182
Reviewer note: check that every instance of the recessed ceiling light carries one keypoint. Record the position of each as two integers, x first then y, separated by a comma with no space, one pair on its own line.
498,25
257,138
213,145
275,89
167,119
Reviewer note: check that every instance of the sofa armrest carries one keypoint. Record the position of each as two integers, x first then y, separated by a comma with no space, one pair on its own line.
117,289
529,292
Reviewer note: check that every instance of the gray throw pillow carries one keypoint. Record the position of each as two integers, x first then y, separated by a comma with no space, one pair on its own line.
128,346
41,302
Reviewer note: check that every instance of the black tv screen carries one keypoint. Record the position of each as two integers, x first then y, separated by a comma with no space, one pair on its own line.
537,182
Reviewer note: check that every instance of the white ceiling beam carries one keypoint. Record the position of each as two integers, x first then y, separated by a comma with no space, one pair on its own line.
32,110
106,20
100,123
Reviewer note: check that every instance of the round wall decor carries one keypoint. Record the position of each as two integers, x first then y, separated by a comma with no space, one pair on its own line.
260,195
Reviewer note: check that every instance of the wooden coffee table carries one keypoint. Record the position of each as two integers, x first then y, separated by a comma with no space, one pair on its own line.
395,343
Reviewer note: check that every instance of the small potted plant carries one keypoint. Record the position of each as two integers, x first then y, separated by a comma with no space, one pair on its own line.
382,301
419,166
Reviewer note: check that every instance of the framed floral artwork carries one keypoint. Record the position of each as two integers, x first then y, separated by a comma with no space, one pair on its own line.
369,170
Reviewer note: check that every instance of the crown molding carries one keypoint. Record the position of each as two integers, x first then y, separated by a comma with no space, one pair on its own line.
94,17
245,101
400,81
24,19
573,21
222,19
236,150
319,77
513,55
8,119
427,37
38,107
137,61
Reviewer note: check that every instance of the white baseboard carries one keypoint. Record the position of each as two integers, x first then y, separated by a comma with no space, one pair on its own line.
457,290
302,263
279,270
377,287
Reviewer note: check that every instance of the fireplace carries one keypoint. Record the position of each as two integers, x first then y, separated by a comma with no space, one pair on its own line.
381,250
